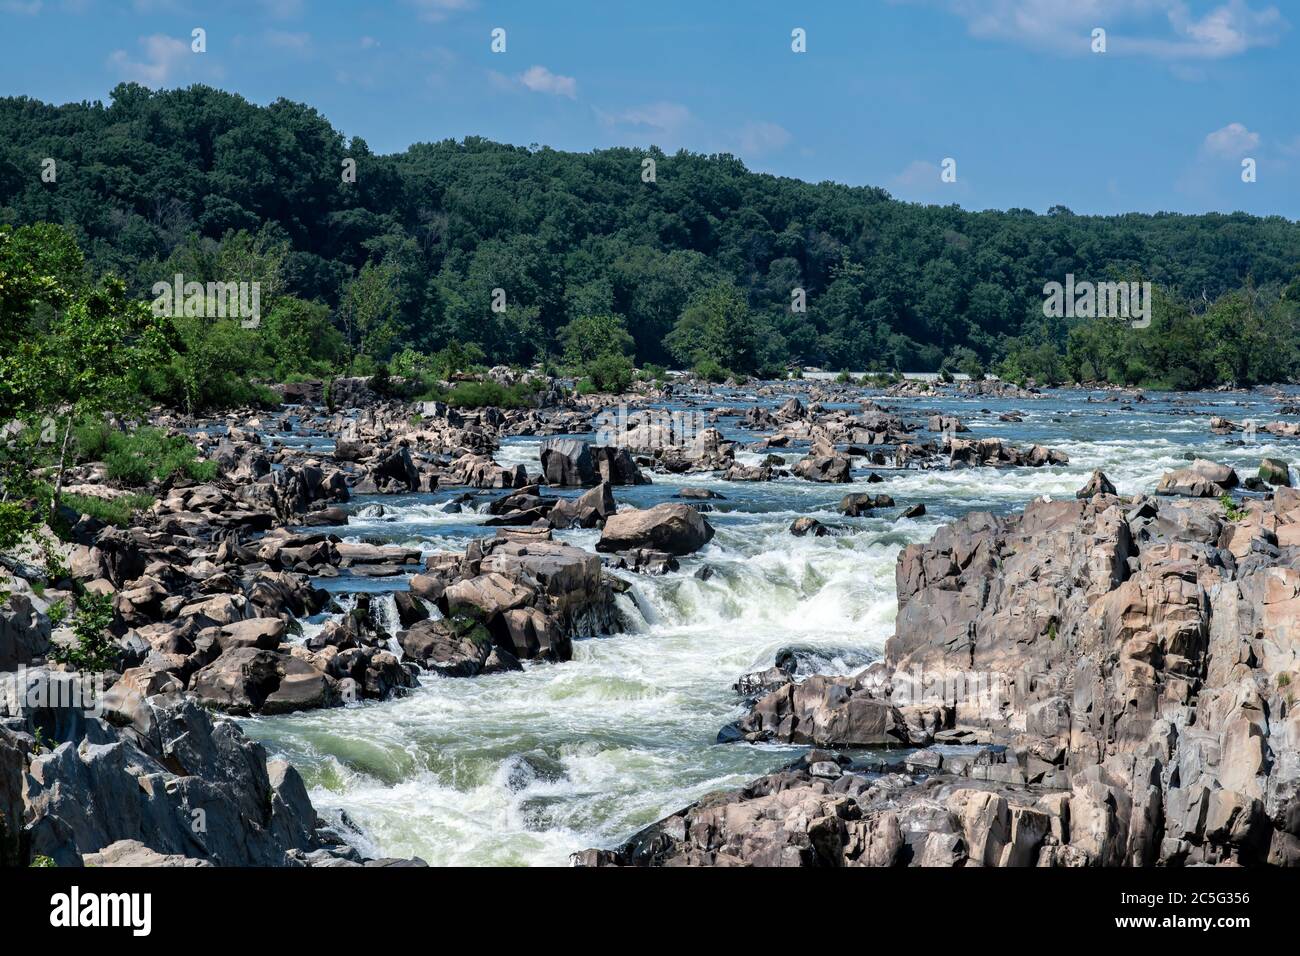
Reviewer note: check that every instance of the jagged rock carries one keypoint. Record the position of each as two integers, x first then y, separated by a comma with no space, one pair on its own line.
24,632
674,528
1130,662
190,788
248,680
1098,484
456,647
567,461
588,510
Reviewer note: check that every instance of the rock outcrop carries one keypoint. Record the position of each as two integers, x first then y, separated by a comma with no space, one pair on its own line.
1117,679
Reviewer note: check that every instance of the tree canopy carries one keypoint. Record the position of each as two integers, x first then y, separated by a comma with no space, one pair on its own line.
421,249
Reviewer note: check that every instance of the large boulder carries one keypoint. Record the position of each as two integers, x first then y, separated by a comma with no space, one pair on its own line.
567,461
674,528
249,680
455,647
1204,479
830,468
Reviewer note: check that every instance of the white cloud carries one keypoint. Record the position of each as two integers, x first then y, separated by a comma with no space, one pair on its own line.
436,11
284,40
164,57
368,43
1166,29
919,173
541,80
662,119
754,139
1232,141
18,7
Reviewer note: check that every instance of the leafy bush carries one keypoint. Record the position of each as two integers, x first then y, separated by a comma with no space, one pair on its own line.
150,454
17,523
484,394
610,372
711,371
95,649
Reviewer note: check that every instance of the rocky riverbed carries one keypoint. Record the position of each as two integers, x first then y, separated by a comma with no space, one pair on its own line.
797,623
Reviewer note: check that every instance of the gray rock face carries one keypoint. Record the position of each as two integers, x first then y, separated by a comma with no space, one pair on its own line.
568,461
12,754
189,788
24,632
674,528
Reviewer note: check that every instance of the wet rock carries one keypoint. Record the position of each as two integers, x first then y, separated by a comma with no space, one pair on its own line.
456,647
674,528
825,469
589,510
859,504
806,525
1275,471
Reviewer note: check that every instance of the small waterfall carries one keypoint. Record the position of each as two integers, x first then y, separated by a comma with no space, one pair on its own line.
383,614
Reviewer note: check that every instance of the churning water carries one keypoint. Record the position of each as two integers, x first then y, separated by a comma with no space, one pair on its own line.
525,768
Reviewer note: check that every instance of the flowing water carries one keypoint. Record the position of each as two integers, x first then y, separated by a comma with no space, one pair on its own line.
525,768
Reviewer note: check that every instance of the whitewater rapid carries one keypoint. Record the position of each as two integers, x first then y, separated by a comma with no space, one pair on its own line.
527,767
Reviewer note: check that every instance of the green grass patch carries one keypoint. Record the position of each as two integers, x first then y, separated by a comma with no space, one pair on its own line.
116,511
484,394
138,457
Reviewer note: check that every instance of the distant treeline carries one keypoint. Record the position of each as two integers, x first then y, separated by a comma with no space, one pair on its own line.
701,265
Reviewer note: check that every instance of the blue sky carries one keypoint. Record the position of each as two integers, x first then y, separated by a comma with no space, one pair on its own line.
887,89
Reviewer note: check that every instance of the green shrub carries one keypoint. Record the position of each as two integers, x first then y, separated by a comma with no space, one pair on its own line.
116,511
711,371
611,372
484,394
17,523
150,454
95,649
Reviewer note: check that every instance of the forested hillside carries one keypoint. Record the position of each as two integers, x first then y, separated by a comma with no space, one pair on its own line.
153,182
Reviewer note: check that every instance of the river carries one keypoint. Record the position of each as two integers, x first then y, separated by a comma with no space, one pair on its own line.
525,768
